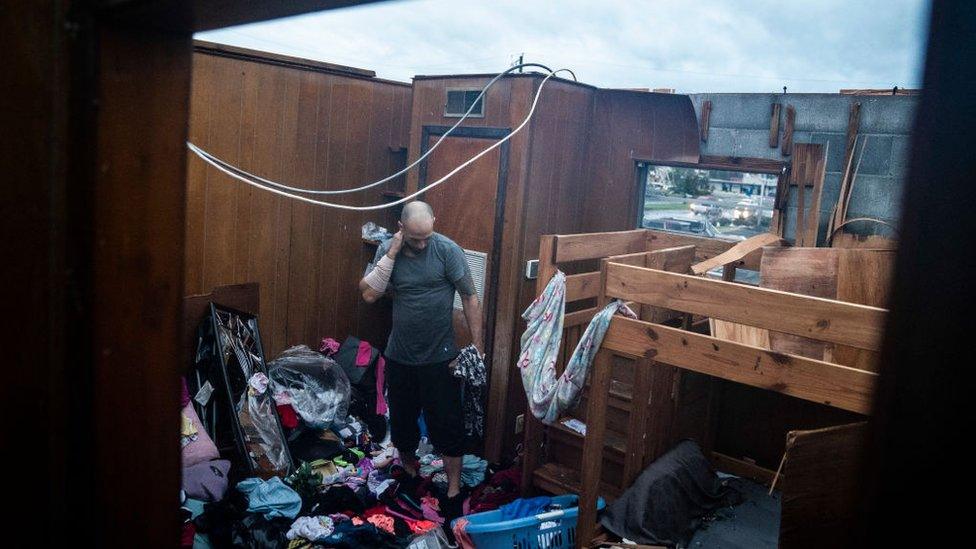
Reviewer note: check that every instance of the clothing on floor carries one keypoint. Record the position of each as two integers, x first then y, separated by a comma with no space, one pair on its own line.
271,498
548,395
311,528
666,502
206,481
423,284
524,507
433,390
472,468
470,367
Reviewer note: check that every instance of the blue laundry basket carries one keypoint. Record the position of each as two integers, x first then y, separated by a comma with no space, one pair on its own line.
552,530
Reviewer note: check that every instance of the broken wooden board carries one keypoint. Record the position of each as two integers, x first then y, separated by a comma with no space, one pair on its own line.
853,275
820,498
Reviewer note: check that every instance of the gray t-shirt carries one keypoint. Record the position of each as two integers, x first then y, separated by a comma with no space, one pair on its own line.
423,288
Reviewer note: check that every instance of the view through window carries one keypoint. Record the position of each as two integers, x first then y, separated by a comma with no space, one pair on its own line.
731,205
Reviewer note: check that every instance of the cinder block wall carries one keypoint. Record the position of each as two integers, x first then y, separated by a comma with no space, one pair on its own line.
739,126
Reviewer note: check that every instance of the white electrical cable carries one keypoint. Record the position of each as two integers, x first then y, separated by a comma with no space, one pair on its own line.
405,169
230,169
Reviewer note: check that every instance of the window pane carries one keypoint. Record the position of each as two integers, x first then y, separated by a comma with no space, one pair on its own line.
712,203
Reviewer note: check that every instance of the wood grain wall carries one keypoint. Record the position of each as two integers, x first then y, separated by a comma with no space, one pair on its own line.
303,126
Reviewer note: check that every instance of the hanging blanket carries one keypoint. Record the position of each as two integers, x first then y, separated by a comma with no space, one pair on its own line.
548,396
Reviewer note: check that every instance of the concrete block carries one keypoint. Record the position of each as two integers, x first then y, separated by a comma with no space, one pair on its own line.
875,196
739,142
900,150
888,113
874,155
749,111
835,144
831,190
820,112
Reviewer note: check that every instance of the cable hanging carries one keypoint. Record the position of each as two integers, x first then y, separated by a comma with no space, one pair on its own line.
276,187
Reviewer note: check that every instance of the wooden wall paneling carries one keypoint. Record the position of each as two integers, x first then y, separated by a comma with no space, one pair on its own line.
294,129
361,113
818,513
303,251
222,192
198,172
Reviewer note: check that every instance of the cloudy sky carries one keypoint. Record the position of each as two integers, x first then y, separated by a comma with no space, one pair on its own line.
700,46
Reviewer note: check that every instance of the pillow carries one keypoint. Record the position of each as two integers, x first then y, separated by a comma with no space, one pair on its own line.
203,448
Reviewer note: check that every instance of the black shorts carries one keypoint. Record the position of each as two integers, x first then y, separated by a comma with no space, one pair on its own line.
433,390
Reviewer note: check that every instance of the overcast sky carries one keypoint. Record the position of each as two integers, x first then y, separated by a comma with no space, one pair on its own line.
699,46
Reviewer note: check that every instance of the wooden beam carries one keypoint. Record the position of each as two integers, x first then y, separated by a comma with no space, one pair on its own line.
579,317
734,255
592,465
705,116
853,126
705,248
532,439
787,147
774,126
806,378
582,286
598,245
823,319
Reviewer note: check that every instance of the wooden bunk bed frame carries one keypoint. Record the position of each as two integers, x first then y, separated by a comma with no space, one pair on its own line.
652,270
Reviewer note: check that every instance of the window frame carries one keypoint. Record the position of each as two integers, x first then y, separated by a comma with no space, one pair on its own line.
447,93
778,168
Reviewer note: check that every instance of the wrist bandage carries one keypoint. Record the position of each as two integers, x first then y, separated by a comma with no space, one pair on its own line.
379,277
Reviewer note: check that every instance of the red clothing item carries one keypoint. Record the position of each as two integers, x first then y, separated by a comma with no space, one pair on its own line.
289,419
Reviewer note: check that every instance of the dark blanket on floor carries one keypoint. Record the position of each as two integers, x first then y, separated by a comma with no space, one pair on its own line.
665,504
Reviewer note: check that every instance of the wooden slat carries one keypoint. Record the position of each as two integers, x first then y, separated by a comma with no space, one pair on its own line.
705,248
823,319
705,116
816,161
742,468
675,260
809,379
787,147
579,317
853,125
774,126
736,253
582,286
592,464
637,422
598,245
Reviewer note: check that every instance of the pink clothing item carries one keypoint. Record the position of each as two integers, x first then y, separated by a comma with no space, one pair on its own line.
430,508
364,355
381,407
203,448
329,346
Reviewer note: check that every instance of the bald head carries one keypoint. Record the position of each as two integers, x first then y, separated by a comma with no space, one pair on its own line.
415,210
417,224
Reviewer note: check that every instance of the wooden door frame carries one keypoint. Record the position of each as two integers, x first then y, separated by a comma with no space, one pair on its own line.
491,294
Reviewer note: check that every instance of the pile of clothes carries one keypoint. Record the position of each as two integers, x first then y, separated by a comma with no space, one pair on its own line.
347,488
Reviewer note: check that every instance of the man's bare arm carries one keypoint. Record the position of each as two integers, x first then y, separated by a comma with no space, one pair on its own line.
472,314
374,284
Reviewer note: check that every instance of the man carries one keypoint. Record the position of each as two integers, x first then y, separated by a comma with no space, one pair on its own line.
422,269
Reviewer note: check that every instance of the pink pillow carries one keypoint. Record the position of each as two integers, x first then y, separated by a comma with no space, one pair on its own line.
203,448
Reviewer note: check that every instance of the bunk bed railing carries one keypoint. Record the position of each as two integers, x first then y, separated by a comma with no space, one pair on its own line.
655,345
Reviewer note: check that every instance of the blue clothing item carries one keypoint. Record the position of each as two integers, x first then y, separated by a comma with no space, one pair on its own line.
524,507
472,468
272,498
